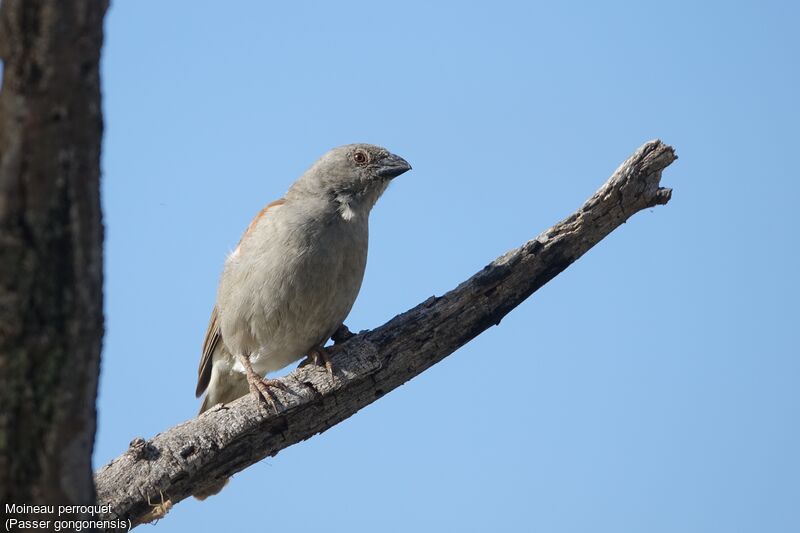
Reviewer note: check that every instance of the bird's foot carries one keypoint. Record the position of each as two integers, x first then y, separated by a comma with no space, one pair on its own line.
321,356
260,387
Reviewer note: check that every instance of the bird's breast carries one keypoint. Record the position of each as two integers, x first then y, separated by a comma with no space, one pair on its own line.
289,293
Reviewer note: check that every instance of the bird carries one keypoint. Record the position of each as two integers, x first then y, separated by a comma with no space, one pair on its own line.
293,278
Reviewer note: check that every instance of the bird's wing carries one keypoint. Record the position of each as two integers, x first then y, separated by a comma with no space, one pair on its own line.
209,344
213,335
254,222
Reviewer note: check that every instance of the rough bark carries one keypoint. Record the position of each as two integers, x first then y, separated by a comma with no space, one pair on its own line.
227,439
51,262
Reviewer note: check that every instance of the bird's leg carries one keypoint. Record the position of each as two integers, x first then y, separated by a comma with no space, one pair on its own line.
260,386
320,356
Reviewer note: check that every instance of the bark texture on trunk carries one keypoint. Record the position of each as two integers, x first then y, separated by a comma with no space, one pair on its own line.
51,258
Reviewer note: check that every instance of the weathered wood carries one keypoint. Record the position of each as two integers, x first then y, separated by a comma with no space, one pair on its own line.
51,256
227,439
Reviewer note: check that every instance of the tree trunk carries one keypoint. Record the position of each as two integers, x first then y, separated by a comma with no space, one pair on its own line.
51,260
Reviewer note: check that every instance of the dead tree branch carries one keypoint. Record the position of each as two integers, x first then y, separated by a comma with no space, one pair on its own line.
228,439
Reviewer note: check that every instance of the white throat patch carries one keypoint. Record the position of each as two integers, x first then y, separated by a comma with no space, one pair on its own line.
345,210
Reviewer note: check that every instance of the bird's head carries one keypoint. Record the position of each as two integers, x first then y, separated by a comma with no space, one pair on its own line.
353,176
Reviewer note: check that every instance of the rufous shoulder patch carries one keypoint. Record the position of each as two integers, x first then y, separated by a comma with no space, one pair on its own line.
254,222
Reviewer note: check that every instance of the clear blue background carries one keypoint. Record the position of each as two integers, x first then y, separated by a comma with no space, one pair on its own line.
653,386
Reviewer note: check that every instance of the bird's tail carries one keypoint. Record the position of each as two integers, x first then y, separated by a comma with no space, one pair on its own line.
211,490
225,390
225,386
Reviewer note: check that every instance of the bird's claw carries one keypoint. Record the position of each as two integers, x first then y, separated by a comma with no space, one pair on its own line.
259,386
321,356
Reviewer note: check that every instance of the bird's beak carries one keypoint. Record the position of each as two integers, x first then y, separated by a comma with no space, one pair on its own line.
392,166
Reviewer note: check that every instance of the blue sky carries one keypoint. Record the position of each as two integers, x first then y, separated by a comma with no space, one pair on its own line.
653,386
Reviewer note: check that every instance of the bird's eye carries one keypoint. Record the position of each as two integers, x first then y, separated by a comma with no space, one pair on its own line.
360,157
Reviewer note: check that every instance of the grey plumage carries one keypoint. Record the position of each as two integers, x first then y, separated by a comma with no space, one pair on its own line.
293,278
297,270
